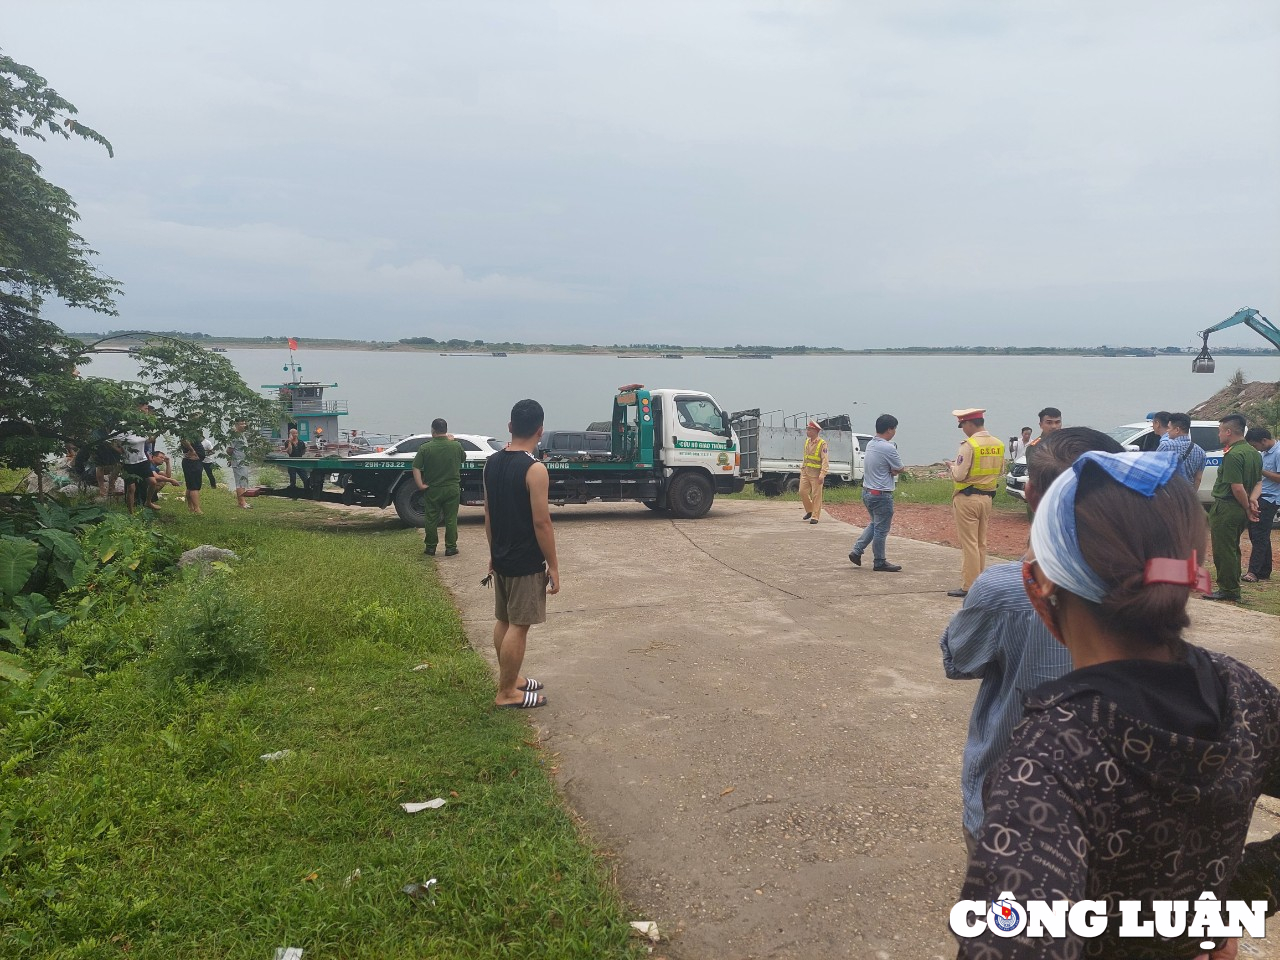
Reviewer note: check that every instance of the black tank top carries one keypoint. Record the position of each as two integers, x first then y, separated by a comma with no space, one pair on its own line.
515,549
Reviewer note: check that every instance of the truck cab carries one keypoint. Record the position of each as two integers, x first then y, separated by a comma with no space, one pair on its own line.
684,437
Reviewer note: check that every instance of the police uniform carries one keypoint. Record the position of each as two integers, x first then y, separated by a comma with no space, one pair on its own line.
813,474
975,475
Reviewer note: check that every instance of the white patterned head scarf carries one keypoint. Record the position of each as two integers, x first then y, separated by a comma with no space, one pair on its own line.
1053,533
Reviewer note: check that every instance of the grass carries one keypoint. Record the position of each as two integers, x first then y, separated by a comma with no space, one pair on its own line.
148,827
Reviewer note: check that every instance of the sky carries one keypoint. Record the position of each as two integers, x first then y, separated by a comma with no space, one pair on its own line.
1003,172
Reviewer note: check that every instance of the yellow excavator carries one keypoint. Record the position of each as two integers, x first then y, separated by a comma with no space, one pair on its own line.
1203,363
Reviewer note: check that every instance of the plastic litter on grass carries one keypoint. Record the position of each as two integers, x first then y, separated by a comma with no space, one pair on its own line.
419,891
435,804
278,755
288,953
646,928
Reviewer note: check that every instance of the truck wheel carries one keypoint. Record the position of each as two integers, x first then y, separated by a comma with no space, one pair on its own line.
690,495
791,485
409,505
768,488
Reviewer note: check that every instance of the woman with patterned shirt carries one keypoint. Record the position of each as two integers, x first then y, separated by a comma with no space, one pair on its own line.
1134,776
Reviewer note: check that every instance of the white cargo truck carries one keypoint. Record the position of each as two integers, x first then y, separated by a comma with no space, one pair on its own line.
777,449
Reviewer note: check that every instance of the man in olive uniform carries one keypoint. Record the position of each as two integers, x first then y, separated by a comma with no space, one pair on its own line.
975,471
813,471
436,472
1235,504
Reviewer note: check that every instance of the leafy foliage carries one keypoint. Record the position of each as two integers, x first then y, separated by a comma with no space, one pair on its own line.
43,399
210,630
64,560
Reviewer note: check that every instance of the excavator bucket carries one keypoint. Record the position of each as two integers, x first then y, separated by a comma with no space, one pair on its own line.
1203,363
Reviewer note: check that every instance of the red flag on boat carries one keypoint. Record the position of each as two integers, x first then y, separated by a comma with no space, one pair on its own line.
293,343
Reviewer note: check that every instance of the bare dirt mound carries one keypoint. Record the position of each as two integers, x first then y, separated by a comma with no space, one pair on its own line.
1239,397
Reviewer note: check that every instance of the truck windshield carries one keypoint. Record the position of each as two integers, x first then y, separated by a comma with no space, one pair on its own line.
699,413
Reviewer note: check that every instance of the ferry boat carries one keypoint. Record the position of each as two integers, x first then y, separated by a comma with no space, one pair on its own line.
301,405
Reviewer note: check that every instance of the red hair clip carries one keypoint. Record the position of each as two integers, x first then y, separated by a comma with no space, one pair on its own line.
1181,573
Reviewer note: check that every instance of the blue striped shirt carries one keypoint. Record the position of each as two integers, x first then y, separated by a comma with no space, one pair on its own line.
997,638
1189,455
1271,461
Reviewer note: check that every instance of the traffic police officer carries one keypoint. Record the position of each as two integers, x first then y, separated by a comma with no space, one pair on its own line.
975,473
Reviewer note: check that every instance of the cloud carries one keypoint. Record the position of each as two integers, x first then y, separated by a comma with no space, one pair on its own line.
928,168
278,256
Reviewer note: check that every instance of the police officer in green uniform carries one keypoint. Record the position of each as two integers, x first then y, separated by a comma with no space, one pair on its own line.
436,472
1235,503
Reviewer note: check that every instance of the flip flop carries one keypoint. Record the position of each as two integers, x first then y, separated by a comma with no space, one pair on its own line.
1249,578
531,684
530,701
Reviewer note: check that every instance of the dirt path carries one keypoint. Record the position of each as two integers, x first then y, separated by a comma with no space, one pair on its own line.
1006,534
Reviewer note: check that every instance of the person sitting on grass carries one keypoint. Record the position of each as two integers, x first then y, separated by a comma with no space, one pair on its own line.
161,474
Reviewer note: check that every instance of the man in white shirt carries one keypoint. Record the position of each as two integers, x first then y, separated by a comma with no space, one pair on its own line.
1018,445
137,469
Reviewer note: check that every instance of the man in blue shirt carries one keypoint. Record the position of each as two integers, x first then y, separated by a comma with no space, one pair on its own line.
998,638
881,465
1260,530
1190,455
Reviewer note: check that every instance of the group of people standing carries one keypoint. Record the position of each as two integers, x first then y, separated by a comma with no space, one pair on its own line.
975,475
1107,759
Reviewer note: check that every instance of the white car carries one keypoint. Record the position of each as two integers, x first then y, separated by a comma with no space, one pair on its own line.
1139,436
477,447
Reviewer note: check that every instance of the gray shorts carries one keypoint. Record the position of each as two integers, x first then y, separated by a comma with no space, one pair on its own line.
520,600
240,476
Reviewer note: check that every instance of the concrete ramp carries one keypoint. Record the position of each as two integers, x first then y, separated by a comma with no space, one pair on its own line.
760,732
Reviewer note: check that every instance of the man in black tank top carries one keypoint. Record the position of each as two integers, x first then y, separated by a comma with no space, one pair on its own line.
522,551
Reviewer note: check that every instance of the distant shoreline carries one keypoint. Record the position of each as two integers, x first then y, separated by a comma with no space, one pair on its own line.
632,352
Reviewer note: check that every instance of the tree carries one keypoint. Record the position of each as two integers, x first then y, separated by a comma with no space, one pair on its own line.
43,399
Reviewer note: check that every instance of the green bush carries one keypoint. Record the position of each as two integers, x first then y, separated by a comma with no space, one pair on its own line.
209,630
269,476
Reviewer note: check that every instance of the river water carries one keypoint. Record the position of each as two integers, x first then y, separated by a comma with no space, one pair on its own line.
400,393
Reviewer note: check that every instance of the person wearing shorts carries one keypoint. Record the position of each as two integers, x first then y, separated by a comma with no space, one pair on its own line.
137,470
522,551
106,459
193,471
238,457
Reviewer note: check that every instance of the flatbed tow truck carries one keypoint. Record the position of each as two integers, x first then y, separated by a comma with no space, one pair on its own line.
672,450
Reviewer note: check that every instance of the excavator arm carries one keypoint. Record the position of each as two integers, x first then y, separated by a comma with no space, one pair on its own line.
1203,363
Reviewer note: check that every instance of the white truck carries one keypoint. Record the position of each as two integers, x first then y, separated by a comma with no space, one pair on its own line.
773,464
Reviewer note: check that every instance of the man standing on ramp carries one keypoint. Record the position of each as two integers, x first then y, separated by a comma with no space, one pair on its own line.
436,469
813,471
975,472
522,551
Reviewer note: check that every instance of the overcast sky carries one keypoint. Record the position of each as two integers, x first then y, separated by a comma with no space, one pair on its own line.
697,172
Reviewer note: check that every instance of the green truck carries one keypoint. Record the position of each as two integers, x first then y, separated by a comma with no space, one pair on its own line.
672,450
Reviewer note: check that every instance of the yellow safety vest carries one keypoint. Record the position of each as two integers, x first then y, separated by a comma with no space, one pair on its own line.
988,463
814,460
